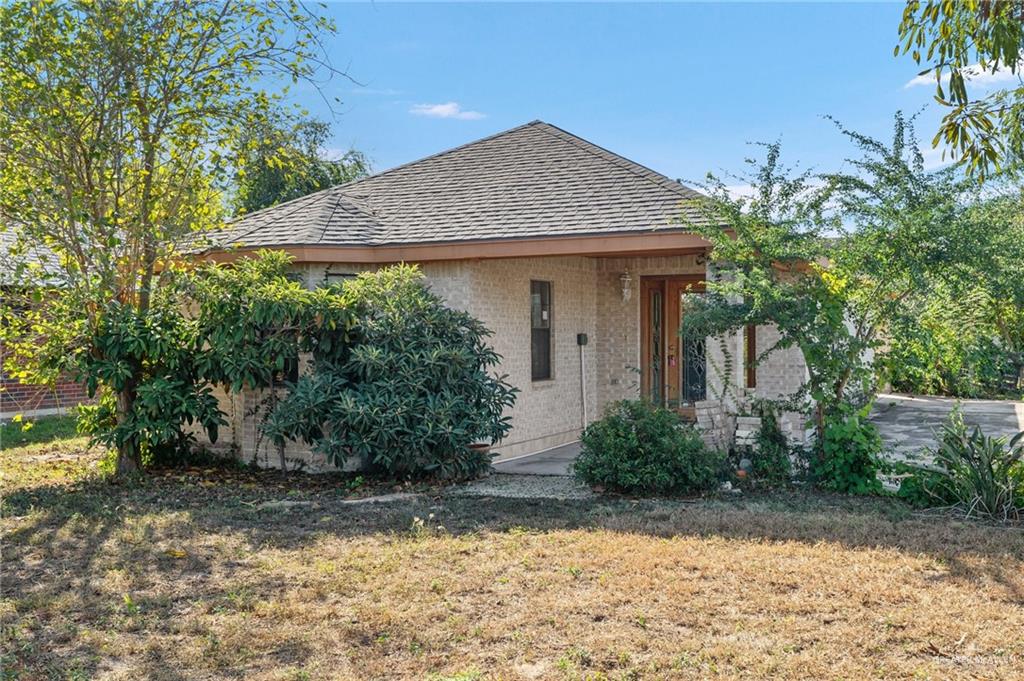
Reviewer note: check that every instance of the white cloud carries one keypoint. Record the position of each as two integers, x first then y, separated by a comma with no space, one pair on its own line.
448,110
974,74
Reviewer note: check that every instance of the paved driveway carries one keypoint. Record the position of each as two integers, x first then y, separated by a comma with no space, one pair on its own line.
909,424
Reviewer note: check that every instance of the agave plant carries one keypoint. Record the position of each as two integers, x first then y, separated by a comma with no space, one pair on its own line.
984,475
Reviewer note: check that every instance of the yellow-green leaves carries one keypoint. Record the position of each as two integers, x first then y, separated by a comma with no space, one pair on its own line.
121,125
961,39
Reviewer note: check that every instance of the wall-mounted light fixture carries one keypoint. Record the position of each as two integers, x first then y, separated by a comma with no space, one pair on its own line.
626,280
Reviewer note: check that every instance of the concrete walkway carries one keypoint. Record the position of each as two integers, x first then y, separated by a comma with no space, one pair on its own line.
518,486
910,424
550,462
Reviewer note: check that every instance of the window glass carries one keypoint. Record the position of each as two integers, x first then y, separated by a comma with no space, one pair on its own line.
540,332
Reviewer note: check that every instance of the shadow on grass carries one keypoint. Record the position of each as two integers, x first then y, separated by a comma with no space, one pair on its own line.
69,544
286,516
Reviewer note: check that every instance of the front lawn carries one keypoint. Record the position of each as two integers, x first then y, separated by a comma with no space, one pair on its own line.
201,574
43,430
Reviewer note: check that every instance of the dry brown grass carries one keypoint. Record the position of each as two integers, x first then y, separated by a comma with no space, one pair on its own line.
175,579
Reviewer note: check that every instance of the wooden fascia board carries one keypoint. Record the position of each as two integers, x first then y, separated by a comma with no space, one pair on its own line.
647,243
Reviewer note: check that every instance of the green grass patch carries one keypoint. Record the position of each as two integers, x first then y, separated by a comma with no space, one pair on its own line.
37,431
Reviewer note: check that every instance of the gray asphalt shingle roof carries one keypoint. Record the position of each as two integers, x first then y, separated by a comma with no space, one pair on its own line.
535,180
11,258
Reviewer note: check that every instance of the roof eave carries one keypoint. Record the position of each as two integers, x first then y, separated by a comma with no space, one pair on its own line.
653,242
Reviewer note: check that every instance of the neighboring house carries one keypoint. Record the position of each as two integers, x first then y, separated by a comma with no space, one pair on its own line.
572,255
16,397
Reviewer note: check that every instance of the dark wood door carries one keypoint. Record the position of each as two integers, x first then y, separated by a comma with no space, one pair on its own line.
673,370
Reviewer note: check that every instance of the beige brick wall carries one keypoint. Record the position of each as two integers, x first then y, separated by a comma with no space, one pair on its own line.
546,413
781,374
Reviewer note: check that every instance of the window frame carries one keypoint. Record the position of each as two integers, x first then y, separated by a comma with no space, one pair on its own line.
549,329
750,355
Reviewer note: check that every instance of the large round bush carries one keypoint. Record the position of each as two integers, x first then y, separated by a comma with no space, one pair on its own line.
414,392
639,448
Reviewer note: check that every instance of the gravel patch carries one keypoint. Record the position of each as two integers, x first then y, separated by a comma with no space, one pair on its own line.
525,487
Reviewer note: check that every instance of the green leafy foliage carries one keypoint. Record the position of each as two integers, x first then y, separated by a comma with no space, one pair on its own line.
958,40
903,241
640,448
770,458
938,266
770,264
211,327
984,476
847,459
950,347
122,126
150,357
413,393
255,320
398,380
286,160
963,334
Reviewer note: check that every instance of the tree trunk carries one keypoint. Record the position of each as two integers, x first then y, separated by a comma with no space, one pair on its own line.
819,422
128,457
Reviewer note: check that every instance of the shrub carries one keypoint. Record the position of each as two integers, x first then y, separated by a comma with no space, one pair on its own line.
156,357
949,357
639,448
770,458
847,458
412,395
982,475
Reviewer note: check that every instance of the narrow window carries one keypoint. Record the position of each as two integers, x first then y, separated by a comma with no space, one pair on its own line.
540,330
750,354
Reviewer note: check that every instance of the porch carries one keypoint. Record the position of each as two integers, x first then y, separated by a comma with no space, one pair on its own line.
607,329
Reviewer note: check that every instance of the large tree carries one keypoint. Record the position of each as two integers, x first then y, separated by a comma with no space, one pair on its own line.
768,255
287,159
831,259
120,122
961,332
958,40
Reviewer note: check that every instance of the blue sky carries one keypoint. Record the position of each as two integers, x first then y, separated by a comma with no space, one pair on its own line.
681,88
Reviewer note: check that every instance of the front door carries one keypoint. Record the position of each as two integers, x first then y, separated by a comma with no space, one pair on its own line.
673,370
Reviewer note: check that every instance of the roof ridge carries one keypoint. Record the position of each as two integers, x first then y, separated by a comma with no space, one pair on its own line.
330,214
619,160
308,198
532,180
356,204
285,203
488,138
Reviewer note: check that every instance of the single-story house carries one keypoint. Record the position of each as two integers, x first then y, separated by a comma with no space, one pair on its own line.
572,255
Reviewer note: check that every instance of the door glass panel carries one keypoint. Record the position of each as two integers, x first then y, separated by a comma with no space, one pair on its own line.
655,384
692,366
